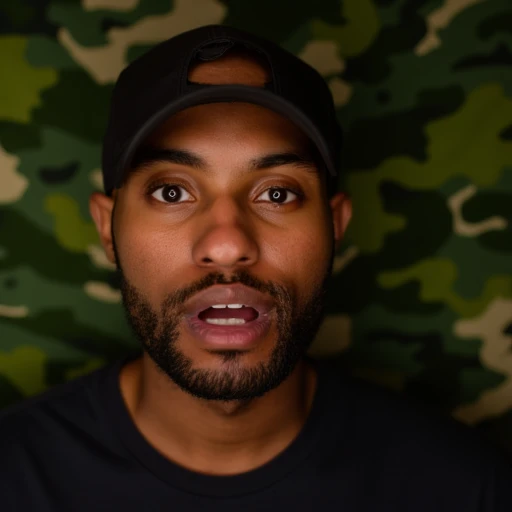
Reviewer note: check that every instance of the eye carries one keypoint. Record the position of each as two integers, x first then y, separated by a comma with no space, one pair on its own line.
280,195
170,193
173,193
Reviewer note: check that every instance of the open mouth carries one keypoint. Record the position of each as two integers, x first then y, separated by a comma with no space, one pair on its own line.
229,317
228,314
233,326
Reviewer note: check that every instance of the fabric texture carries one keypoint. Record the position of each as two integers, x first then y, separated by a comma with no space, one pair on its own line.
75,448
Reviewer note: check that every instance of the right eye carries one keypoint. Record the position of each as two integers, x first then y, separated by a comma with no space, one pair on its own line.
170,193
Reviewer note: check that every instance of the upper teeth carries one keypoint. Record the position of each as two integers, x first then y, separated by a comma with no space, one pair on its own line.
231,306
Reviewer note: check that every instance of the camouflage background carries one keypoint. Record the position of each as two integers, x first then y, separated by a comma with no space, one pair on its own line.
421,298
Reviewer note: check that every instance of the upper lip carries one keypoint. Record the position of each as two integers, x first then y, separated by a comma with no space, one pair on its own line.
228,294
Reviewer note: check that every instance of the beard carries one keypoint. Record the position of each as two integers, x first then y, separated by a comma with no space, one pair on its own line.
158,331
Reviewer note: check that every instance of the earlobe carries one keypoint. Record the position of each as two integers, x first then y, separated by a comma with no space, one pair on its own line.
341,206
100,208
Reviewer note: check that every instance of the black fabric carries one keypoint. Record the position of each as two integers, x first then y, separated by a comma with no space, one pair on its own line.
75,448
151,85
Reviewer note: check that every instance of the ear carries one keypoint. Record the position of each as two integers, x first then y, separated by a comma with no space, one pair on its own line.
100,207
341,207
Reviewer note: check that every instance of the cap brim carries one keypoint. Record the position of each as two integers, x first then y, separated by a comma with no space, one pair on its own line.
226,93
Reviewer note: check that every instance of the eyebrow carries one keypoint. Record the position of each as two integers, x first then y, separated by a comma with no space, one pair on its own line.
148,156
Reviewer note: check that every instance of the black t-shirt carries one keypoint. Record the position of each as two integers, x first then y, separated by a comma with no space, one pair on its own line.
75,448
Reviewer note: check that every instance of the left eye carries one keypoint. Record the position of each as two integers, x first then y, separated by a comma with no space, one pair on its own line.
170,193
279,195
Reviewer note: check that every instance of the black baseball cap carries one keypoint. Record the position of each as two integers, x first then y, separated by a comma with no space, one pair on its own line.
156,85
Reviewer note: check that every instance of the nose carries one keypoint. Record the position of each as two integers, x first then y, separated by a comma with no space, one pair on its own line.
226,239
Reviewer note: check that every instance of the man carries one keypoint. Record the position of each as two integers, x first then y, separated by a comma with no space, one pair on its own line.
221,213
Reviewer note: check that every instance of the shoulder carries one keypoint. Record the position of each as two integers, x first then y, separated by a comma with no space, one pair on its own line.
387,425
41,418
410,453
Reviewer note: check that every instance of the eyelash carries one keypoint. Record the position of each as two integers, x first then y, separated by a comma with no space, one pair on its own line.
155,186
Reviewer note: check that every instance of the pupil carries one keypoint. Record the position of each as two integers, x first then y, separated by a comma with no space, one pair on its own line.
171,193
278,195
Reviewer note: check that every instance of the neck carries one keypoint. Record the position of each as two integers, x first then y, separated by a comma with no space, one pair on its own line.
216,437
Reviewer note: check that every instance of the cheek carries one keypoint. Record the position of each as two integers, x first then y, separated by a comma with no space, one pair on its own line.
150,257
303,258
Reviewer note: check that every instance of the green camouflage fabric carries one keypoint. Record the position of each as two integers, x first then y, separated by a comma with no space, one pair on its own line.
421,296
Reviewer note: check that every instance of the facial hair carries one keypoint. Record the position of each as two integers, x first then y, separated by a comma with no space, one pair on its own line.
158,331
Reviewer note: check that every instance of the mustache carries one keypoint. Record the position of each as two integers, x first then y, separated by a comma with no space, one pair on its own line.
179,297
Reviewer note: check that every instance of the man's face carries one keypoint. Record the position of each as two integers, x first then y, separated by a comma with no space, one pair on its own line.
180,229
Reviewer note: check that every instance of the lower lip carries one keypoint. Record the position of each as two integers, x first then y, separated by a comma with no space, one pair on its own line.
230,337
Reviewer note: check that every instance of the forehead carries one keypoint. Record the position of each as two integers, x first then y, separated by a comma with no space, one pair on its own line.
229,123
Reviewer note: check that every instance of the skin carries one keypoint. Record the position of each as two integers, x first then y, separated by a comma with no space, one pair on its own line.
242,408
